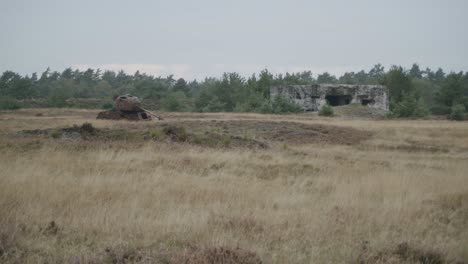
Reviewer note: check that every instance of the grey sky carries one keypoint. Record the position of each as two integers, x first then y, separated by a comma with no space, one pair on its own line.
193,39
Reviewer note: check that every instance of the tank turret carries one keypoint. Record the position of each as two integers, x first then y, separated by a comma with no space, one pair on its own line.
128,103
128,107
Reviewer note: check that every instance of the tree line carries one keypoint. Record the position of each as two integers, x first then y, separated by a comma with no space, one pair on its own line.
413,92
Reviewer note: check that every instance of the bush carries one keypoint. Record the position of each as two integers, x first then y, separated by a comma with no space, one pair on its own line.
214,105
8,103
87,128
176,133
155,134
440,110
266,108
279,105
326,110
458,112
57,98
253,103
283,105
176,102
410,106
421,109
56,133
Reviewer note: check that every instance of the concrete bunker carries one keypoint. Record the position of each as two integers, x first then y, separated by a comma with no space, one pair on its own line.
313,97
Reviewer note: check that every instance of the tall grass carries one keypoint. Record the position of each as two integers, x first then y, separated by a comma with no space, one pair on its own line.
293,204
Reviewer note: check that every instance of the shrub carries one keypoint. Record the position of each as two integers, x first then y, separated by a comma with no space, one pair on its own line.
266,108
155,134
56,133
226,141
421,109
176,133
57,98
177,102
458,112
8,103
253,103
440,110
326,110
88,128
171,103
214,105
410,106
281,104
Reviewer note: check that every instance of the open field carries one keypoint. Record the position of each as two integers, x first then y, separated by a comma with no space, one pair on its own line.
245,188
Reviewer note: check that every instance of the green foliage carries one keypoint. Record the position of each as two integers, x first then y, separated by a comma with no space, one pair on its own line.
326,78
411,92
55,133
438,109
454,90
326,110
226,141
427,90
155,134
214,105
266,107
177,102
284,105
458,112
181,86
58,98
176,133
252,103
8,103
410,106
415,72
398,84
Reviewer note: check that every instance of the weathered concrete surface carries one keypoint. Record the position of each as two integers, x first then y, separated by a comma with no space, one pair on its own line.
314,97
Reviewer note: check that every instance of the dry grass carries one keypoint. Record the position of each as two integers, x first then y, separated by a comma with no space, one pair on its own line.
164,202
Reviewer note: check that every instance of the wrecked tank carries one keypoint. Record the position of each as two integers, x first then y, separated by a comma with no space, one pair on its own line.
128,107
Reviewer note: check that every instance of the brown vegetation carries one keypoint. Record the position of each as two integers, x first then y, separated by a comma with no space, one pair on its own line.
126,192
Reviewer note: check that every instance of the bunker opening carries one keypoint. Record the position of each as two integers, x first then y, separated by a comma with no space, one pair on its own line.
367,101
337,100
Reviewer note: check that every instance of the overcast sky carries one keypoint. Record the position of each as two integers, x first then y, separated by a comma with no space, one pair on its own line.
193,39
